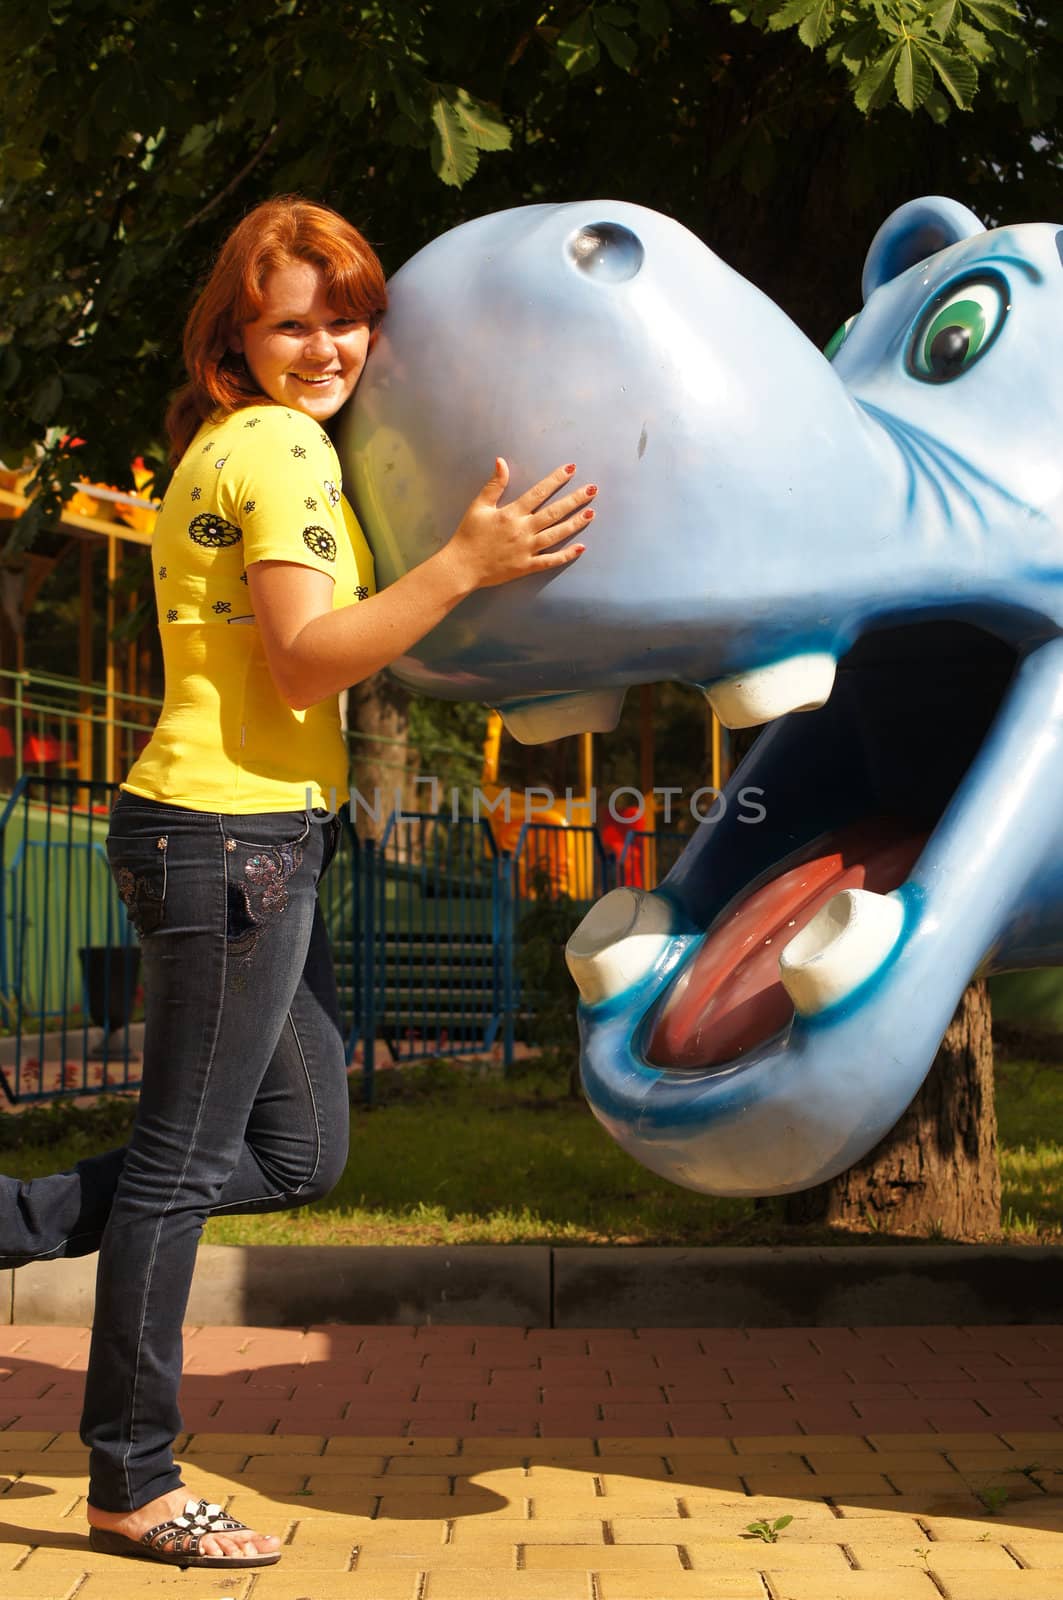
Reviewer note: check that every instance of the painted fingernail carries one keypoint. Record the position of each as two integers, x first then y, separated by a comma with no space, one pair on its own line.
570,469
592,488
588,514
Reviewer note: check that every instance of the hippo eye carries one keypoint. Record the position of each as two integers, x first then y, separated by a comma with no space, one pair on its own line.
957,328
837,339
606,251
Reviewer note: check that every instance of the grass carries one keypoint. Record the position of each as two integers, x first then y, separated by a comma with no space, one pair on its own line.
453,1157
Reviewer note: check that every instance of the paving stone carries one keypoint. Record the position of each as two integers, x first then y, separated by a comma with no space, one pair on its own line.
943,1559
660,1559
904,1584
545,1508
26,1439
392,1444
253,1444
636,1469
503,1583
757,1555
378,1483
1040,1554
275,1584
820,1485
692,1585
24,1586
883,1461
488,1533
1046,1584
404,1507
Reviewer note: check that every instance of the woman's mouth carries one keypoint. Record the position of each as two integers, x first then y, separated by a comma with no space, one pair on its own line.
314,380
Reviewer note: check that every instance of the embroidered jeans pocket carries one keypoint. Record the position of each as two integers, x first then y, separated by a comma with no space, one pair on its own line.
257,889
141,882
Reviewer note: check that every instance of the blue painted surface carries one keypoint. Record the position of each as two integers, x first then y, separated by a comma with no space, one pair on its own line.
896,506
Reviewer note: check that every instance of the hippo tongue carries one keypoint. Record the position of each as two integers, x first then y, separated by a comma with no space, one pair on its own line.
729,997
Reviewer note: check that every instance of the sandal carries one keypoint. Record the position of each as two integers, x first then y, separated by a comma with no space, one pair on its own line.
176,1543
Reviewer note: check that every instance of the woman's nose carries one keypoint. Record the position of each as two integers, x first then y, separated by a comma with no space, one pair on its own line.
320,346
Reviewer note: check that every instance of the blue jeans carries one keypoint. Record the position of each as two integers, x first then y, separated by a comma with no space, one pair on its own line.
243,1106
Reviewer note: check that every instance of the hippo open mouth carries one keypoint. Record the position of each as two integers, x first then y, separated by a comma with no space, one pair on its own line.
875,770
757,1023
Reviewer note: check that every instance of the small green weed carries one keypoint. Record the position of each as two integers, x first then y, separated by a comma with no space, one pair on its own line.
994,1497
768,1531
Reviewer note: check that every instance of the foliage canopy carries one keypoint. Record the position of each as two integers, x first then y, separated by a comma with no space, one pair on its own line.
135,132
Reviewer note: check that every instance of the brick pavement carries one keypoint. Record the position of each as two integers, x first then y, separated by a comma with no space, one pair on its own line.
437,1463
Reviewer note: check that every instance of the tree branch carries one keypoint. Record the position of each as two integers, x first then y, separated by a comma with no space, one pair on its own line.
235,182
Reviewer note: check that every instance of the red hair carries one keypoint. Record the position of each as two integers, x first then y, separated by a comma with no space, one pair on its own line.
274,234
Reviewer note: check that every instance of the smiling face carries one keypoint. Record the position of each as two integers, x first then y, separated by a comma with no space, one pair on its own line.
302,350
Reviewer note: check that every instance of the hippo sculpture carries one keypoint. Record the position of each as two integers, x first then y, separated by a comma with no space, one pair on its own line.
861,547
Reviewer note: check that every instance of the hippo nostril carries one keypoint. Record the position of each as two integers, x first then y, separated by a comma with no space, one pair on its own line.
605,251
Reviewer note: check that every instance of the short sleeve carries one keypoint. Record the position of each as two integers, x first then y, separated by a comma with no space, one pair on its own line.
280,484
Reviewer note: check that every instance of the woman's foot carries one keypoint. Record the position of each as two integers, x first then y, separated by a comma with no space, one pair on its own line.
134,1524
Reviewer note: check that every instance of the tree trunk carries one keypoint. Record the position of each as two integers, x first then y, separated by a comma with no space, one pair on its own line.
378,716
936,1172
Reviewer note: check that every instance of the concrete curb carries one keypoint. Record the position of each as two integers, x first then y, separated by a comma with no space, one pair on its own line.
604,1287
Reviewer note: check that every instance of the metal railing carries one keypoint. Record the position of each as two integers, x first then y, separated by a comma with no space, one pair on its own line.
424,924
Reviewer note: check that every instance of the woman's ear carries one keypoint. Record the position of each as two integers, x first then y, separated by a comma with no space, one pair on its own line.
236,343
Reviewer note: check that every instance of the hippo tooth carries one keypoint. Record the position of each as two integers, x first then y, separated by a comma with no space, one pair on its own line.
618,941
800,683
555,716
845,942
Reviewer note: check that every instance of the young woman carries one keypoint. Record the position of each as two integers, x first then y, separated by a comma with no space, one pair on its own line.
222,830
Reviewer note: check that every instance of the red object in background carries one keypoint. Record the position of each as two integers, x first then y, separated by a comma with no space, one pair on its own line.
42,748
614,834
7,744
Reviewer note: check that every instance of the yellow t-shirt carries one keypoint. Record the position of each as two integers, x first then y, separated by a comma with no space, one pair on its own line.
261,484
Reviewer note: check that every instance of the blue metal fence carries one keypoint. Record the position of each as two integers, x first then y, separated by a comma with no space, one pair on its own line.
424,924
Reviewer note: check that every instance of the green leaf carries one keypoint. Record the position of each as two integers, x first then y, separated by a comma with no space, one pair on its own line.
912,78
483,123
943,16
654,17
616,16
621,49
859,46
937,107
790,13
958,75
993,14
197,139
872,88
46,399
818,25
578,46
10,366
454,155
975,43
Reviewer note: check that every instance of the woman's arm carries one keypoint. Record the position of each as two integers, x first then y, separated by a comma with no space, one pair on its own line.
314,651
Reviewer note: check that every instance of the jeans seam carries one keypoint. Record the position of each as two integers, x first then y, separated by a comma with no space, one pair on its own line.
180,1179
299,1187
42,1255
313,1102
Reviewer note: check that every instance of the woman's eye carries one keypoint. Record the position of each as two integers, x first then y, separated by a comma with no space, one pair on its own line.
955,330
837,339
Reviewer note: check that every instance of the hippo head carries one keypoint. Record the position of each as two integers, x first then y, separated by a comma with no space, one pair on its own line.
862,547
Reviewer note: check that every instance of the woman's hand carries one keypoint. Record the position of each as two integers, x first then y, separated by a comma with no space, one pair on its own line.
314,649
495,543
